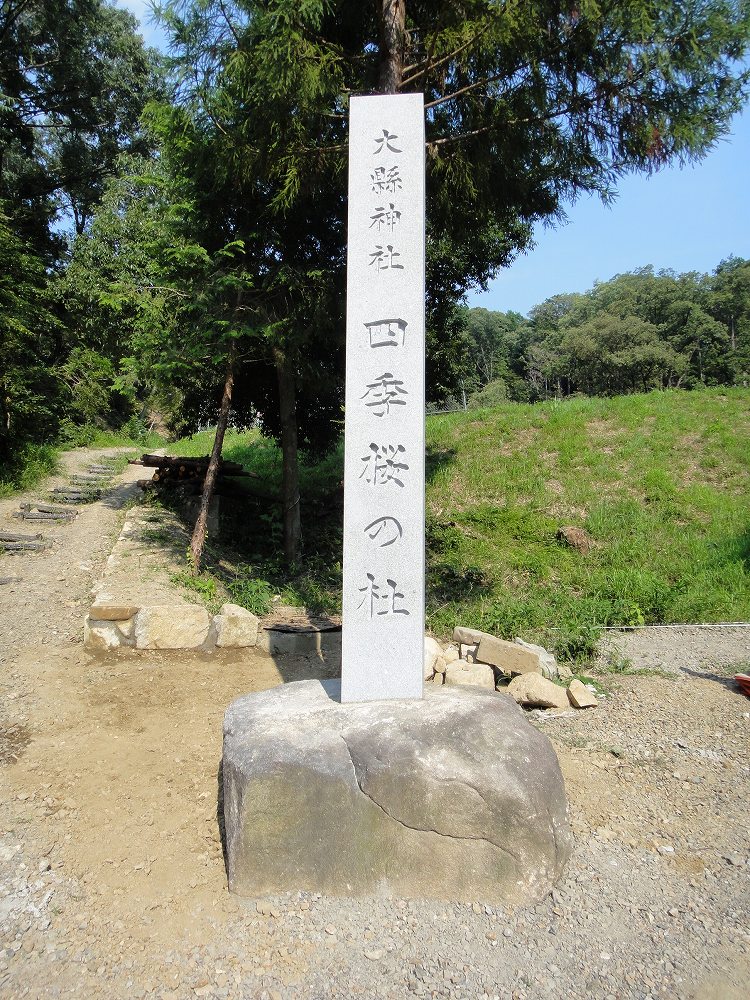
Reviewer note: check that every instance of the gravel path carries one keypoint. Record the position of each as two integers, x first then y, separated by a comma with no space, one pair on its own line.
112,881
682,648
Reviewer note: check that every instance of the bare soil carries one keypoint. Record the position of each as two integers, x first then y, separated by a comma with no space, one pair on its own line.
112,878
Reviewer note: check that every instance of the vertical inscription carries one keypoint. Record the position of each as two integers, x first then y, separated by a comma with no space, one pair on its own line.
383,601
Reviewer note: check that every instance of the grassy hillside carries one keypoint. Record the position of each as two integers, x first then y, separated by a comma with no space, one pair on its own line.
661,482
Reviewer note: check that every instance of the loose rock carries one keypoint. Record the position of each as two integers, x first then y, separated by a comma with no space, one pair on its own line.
580,696
533,689
461,673
433,652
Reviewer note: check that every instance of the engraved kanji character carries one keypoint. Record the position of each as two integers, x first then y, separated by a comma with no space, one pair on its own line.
386,180
382,465
385,217
387,332
385,392
385,258
386,527
384,142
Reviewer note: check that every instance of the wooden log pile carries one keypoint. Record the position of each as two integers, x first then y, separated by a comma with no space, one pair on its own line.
44,512
170,471
11,541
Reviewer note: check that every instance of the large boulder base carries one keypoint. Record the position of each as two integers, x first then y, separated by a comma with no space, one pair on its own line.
455,796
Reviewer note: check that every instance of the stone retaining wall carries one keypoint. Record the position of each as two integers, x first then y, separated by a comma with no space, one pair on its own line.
137,605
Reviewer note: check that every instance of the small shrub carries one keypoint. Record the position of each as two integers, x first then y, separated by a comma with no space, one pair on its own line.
32,463
251,593
577,643
203,584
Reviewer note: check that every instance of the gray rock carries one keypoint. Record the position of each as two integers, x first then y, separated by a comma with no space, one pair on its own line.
547,660
127,627
433,652
508,656
171,626
104,609
468,635
101,636
414,798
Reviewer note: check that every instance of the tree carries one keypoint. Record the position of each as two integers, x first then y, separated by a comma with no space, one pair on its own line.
74,79
495,351
30,335
527,105
609,354
728,300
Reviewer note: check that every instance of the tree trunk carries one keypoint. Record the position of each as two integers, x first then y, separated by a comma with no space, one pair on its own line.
198,541
391,20
290,464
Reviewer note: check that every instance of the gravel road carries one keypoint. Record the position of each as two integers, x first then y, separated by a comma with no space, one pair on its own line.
112,881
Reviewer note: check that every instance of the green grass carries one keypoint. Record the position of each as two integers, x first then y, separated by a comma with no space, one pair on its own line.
247,560
33,463
263,457
90,436
661,482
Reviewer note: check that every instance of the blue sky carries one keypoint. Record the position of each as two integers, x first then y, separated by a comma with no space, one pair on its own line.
686,219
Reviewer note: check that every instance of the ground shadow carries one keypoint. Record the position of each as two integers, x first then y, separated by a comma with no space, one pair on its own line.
726,680
220,815
437,459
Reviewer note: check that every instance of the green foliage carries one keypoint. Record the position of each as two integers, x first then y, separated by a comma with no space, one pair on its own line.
577,643
131,435
89,377
204,585
74,79
636,332
30,388
251,593
32,463
259,139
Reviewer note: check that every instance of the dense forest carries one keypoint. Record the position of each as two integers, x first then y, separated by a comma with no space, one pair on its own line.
639,331
172,236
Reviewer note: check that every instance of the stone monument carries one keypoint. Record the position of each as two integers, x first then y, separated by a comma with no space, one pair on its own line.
383,593
367,786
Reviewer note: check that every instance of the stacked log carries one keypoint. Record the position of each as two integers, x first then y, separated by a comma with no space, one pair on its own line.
11,541
171,471
44,512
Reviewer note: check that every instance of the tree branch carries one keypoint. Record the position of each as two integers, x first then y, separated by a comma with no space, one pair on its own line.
464,90
229,24
444,59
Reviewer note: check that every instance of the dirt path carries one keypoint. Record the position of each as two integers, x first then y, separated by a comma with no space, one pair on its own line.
112,881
